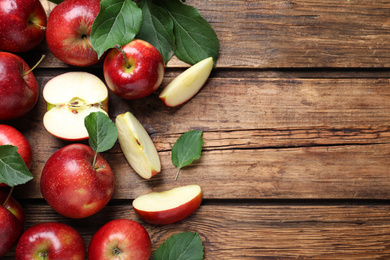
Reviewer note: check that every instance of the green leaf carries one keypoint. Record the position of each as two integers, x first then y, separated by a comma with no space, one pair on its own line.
56,1
157,29
102,131
186,149
181,246
118,22
13,170
195,38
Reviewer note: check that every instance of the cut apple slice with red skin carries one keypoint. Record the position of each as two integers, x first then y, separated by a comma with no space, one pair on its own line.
168,207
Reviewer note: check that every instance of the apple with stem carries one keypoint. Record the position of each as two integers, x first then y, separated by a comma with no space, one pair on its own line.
12,221
120,239
167,207
70,97
68,31
18,86
23,24
50,240
137,146
77,182
135,70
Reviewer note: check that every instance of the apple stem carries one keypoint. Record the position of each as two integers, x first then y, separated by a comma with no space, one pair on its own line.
36,65
87,42
119,48
43,28
9,195
177,175
94,159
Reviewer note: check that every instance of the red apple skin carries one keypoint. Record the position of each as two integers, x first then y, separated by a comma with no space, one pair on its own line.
52,239
72,186
22,25
143,77
18,92
173,215
120,239
12,221
68,30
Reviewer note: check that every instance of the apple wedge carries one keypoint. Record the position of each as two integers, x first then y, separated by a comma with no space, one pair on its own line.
187,84
167,207
137,146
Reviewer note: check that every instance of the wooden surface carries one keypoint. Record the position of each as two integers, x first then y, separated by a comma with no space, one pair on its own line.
296,127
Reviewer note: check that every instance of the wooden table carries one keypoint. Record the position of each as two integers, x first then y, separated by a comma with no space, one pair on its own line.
296,121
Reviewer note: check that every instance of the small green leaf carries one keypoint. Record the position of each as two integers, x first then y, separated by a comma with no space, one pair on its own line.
13,170
56,1
195,38
157,29
118,22
181,246
102,131
186,149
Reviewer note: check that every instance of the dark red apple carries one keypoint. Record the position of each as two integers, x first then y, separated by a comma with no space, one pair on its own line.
12,220
72,186
18,87
134,71
120,239
22,24
50,240
68,30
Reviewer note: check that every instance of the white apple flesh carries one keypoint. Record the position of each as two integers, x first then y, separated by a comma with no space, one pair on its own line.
137,146
167,207
70,97
187,84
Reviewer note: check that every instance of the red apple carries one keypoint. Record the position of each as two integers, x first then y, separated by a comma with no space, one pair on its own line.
134,71
167,207
68,31
120,239
72,186
18,87
12,220
50,240
22,24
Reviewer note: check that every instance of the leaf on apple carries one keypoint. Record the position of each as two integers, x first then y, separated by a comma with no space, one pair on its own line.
187,149
181,246
13,170
118,22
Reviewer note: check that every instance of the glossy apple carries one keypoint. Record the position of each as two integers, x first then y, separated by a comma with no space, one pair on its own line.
68,31
137,146
72,186
22,24
18,87
120,239
136,76
12,220
50,240
187,84
167,207
70,97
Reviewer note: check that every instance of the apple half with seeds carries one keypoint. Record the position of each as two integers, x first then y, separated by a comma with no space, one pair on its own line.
137,146
187,84
167,207
70,97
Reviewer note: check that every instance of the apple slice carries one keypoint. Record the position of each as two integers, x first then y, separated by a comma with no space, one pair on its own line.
137,146
167,207
187,84
70,97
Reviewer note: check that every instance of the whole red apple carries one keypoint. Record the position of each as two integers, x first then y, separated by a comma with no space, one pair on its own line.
120,239
72,186
68,30
22,24
50,240
134,71
12,220
18,87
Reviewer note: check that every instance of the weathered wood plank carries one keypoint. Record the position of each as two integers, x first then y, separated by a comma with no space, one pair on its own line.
257,231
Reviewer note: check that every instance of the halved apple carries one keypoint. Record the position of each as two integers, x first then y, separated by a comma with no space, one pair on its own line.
167,207
70,97
187,84
137,146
